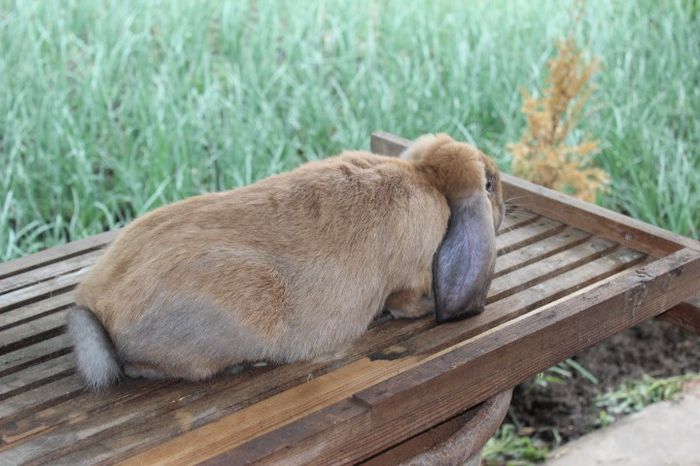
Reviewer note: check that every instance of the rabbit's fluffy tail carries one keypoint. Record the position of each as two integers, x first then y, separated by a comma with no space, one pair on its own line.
94,351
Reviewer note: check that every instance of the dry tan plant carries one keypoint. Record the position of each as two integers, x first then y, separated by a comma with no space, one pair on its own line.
544,154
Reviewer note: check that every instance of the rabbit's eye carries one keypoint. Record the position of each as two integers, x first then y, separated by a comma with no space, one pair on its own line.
489,185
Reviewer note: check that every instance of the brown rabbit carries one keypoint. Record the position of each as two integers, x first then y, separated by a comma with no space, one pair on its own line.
292,266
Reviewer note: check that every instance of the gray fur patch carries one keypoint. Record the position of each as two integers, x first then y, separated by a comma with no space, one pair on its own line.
187,336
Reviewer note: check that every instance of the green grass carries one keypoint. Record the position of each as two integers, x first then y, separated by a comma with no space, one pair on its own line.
512,448
635,395
111,108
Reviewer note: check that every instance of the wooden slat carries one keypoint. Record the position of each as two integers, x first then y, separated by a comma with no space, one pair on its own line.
481,366
517,218
597,220
196,403
411,447
37,399
56,254
522,278
530,233
32,332
686,315
199,403
46,272
35,310
616,227
539,250
48,288
35,376
38,352
456,439
223,433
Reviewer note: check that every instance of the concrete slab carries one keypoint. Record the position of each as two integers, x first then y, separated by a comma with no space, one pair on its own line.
663,434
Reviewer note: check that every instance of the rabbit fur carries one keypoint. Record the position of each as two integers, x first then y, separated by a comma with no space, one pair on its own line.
292,266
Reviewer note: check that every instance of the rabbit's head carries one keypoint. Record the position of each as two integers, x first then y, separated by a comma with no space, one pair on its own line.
464,263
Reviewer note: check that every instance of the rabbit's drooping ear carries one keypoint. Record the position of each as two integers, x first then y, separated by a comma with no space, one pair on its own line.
464,263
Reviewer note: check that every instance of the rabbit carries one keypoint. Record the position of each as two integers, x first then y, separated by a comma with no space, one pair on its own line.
293,266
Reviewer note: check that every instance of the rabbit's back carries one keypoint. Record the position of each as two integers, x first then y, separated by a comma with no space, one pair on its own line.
295,263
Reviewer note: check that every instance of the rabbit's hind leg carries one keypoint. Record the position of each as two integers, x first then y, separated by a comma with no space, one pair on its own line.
409,304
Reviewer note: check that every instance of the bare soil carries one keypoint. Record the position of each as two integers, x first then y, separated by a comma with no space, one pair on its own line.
655,348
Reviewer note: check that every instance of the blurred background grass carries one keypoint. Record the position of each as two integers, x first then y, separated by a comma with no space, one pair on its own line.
112,108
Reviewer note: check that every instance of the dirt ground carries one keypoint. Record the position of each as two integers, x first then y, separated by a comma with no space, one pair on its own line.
655,348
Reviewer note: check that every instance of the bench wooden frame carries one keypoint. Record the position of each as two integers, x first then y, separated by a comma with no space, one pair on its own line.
569,275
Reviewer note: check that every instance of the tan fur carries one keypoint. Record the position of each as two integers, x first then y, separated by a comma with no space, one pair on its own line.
285,269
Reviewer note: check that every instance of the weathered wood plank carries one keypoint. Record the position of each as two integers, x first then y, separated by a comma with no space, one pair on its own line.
481,366
200,403
516,218
33,331
46,272
422,345
45,289
539,250
56,254
597,220
38,374
457,439
522,278
35,310
525,235
40,398
636,295
38,352
686,315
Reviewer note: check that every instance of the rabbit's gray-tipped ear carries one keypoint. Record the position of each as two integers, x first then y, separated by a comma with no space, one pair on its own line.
464,263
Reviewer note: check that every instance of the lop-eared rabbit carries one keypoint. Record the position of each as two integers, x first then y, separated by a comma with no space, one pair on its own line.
293,266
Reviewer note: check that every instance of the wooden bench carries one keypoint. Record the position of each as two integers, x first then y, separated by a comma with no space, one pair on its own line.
569,274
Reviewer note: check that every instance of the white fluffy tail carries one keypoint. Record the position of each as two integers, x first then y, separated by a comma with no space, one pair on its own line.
94,351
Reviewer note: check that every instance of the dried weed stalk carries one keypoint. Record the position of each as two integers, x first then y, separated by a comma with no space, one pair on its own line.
543,154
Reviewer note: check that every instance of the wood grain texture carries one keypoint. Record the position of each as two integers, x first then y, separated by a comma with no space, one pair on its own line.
423,346
539,250
686,315
56,254
29,294
124,437
480,366
93,425
452,442
49,271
